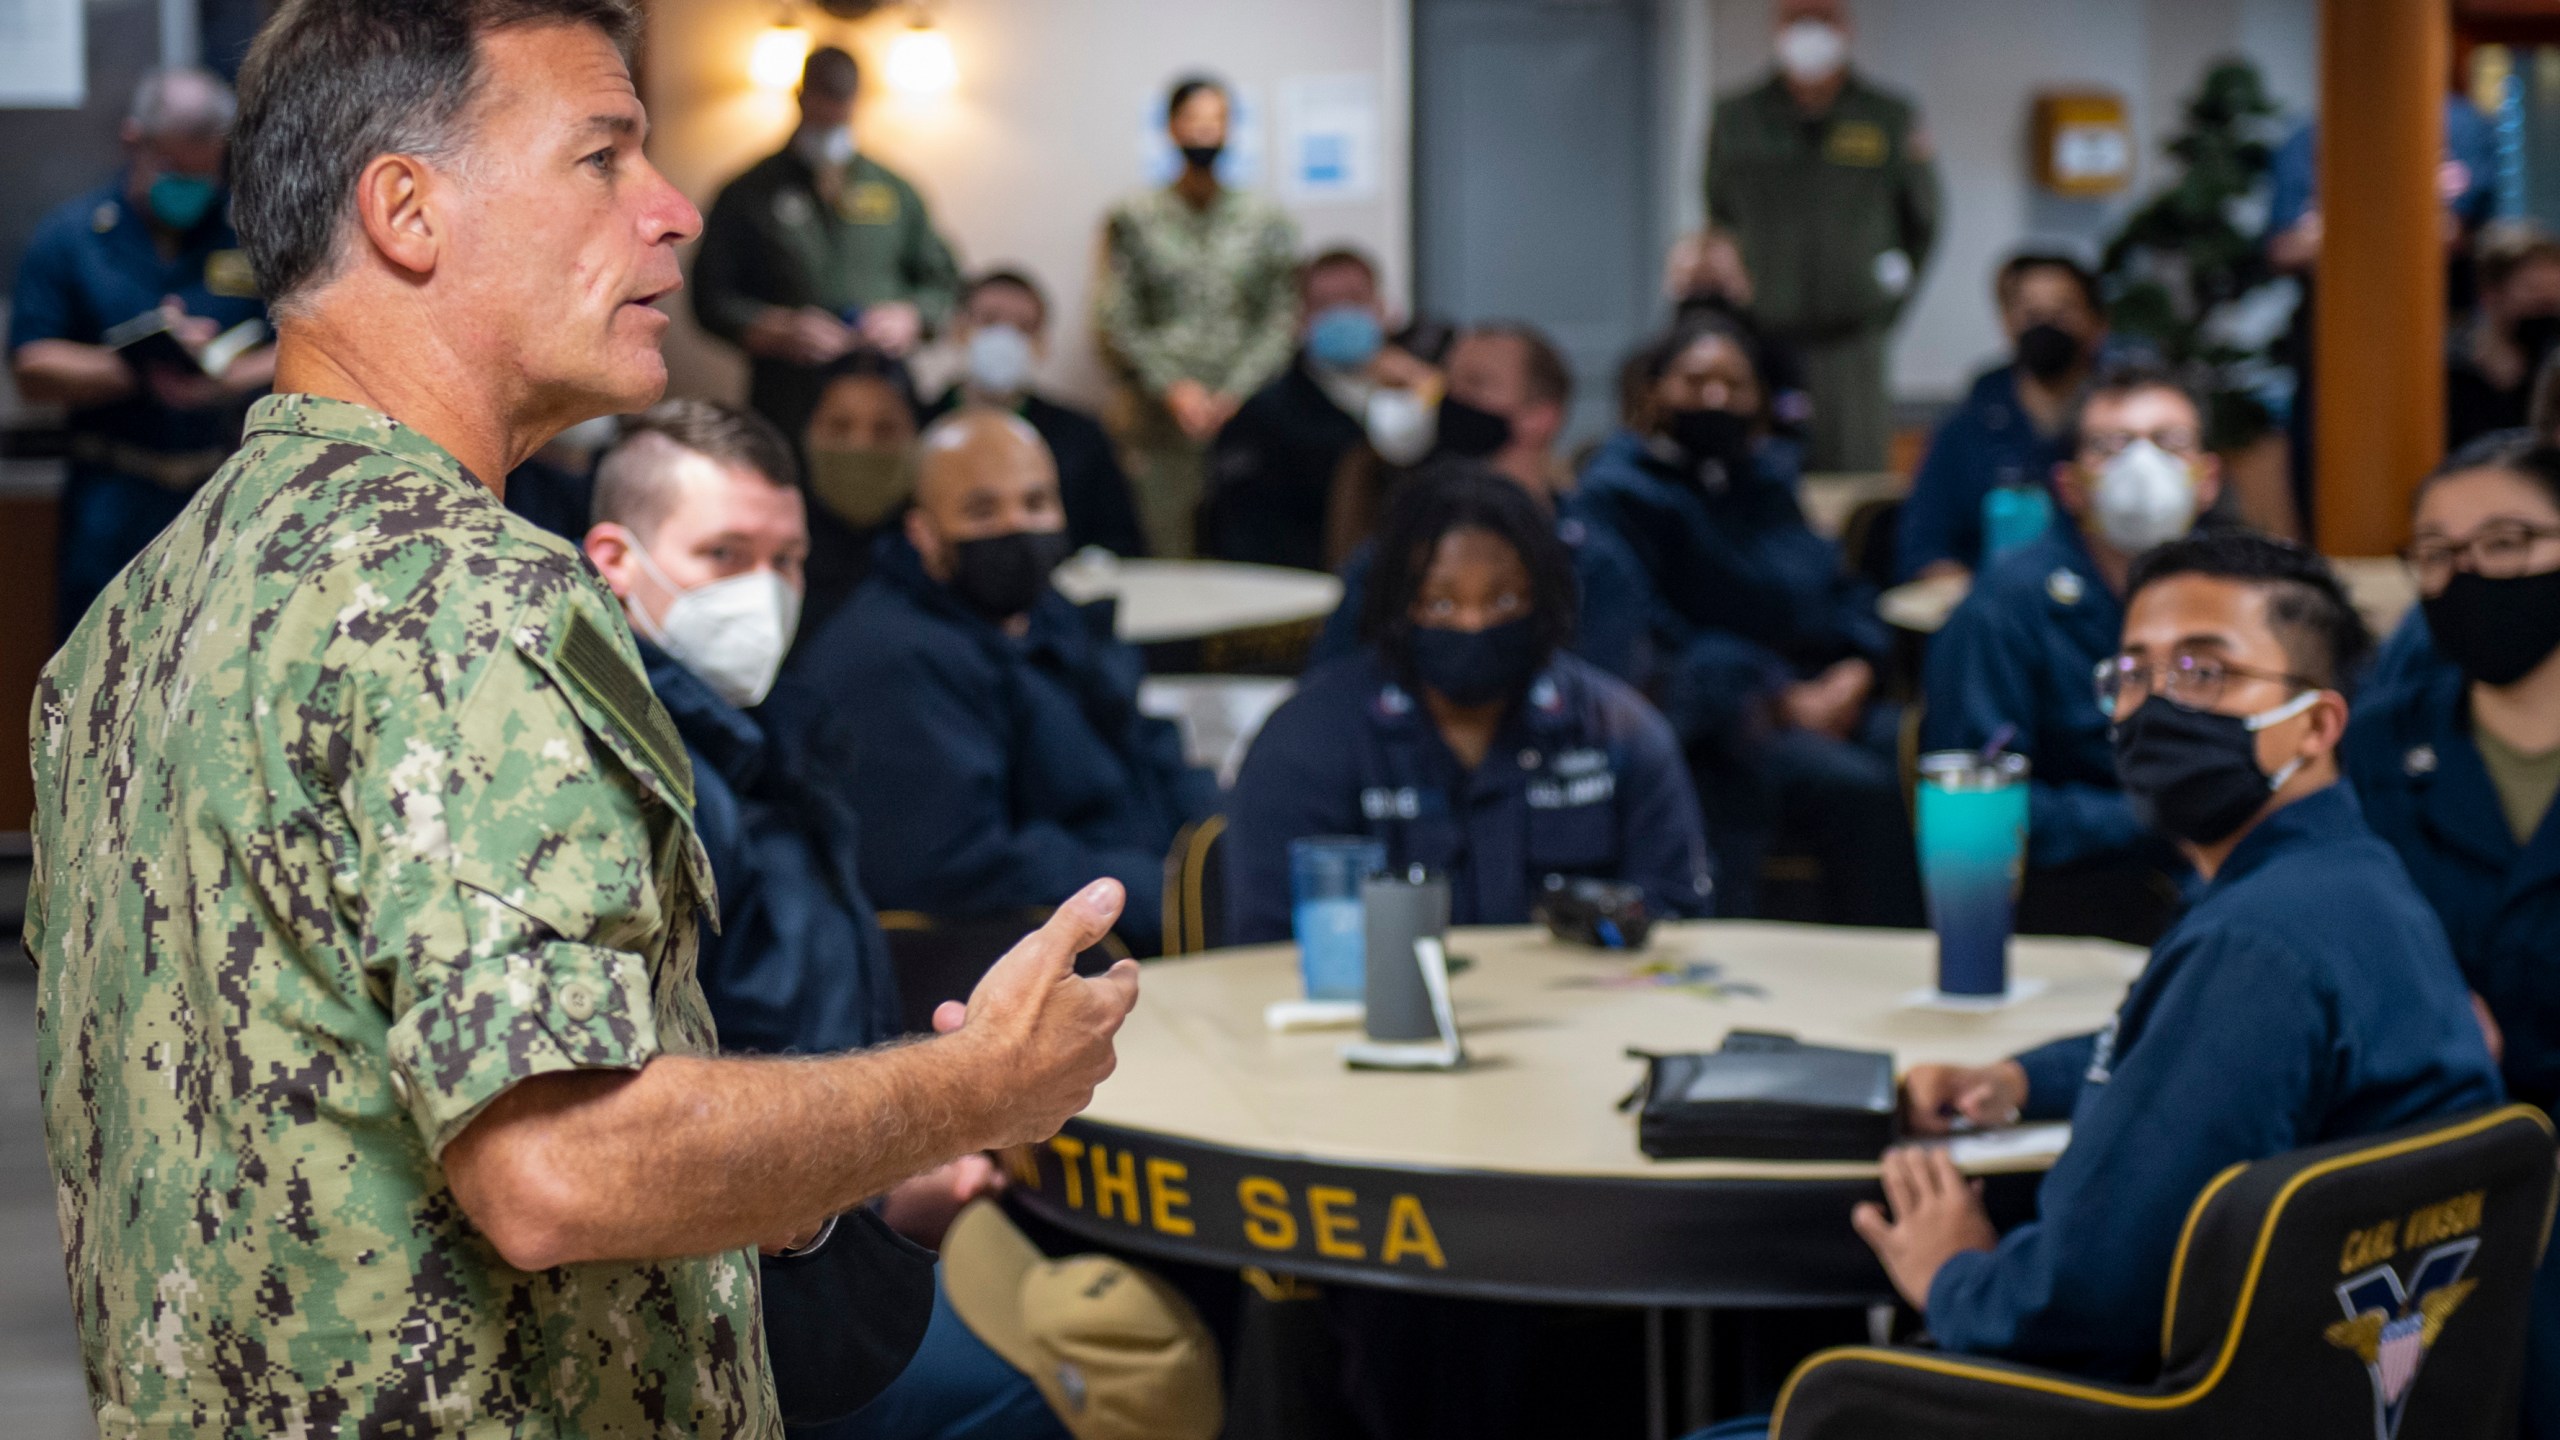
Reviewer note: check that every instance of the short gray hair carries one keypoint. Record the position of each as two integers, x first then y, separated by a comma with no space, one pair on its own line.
331,84
162,104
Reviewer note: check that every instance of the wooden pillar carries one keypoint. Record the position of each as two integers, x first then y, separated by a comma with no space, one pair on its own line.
2379,328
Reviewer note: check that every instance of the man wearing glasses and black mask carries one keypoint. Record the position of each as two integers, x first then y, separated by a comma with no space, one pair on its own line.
2308,996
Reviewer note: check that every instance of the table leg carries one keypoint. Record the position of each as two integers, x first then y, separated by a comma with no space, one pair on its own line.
1698,1371
1657,1380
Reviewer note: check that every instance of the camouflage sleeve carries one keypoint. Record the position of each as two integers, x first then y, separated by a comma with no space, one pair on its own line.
1270,306
1123,315
511,826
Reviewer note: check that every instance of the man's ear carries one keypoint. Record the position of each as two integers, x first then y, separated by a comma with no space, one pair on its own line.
400,221
2071,488
928,543
1544,421
608,548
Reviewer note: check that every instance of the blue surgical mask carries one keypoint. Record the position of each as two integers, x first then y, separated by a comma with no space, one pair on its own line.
1345,337
179,202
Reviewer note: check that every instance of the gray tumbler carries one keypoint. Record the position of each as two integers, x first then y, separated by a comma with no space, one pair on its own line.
1399,911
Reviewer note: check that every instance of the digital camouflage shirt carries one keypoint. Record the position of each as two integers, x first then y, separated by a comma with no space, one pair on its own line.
1205,295
353,810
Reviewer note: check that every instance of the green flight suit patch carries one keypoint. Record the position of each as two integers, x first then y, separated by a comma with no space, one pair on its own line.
1856,142
870,203
228,273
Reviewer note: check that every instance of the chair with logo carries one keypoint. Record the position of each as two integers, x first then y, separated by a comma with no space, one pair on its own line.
2372,1287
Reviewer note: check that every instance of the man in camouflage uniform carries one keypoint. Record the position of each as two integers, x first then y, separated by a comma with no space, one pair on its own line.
1198,307
378,1084
816,249
1827,182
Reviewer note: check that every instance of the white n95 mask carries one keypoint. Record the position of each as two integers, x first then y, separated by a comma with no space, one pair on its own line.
1000,360
2145,496
732,634
1401,426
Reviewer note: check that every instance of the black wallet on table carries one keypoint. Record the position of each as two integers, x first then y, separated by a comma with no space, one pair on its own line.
1766,1097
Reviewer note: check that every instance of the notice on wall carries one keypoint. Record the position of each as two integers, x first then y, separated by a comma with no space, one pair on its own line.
43,55
1329,137
1239,166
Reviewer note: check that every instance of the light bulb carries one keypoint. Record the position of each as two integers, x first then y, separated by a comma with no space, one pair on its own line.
920,61
780,53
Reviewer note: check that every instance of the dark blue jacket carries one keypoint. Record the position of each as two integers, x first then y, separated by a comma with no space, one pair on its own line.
2410,651
1748,598
1986,442
1583,779
92,264
2020,651
1617,600
2410,755
2307,997
990,772
1270,476
797,962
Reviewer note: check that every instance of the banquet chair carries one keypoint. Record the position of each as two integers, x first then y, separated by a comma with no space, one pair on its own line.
2375,1286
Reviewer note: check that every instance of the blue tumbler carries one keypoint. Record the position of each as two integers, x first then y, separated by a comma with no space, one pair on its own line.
1973,850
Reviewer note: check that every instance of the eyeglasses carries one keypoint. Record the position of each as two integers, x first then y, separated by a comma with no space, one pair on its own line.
2195,681
2179,440
2499,550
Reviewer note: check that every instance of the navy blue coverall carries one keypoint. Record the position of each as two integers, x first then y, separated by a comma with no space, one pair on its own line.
990,772
1584,779
91,265
2411,757
1749,600
1985,443
2308,996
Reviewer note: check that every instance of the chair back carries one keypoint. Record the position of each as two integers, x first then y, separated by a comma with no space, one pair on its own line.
942,957
1195,888
2372,1285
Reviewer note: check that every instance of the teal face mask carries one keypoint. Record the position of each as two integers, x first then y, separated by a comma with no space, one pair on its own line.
179,202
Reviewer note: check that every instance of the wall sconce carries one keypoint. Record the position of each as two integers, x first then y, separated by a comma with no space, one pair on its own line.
920,61
780,52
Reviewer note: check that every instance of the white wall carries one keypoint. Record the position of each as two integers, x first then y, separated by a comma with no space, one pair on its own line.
1974,66
1041,134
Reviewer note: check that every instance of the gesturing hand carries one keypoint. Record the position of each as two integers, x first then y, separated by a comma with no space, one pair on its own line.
1046,1031
1937,1215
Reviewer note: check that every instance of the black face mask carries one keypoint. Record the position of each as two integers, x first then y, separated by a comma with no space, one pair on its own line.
1470,433
2496,630
1001,576
2536,336
2192,774
1476,667
2048,351
1202,157
1717,443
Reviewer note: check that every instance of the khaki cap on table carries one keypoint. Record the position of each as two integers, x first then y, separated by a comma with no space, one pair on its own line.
1115,1351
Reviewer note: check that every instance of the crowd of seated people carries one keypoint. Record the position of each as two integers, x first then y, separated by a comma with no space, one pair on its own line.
1644,664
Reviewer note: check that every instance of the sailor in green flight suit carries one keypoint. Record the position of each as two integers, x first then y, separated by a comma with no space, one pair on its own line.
818,250
1827,183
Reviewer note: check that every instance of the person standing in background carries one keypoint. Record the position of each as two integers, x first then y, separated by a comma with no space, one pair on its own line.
144,434
1198,307
1002,328
818,249
1827,182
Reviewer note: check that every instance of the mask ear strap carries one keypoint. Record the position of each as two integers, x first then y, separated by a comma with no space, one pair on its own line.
648,627
2285,711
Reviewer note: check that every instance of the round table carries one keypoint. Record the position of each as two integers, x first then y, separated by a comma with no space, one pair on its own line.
1206,615
1218,1142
